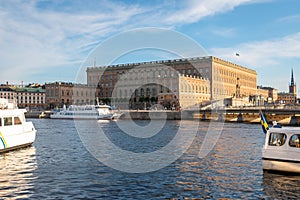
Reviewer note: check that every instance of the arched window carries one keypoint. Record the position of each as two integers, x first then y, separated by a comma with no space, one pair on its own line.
148,92
142,92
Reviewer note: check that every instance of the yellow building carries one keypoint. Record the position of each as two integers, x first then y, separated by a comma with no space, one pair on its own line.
150,84
231,80
193,91
225,79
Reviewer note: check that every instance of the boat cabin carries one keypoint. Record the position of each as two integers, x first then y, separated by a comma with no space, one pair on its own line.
281,151
288,137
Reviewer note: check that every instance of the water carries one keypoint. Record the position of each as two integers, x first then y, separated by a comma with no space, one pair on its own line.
59,166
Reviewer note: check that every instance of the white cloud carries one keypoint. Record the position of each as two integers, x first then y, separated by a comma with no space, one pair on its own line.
41,35
262,53
224,32
34,39
272,59
194,10
291,18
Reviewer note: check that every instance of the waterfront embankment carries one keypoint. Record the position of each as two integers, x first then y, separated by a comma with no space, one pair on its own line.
284,117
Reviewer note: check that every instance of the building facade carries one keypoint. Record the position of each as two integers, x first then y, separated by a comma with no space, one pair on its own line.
7,92
147,85
225,79
31,96
231,80
267,94
83,95
59,94
291,96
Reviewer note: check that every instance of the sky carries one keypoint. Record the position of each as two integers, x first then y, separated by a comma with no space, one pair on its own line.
45,41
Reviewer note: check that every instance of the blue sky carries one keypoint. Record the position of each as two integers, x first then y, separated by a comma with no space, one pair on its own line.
44,41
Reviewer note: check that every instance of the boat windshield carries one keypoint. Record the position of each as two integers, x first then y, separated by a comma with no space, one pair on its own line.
277,139
294,141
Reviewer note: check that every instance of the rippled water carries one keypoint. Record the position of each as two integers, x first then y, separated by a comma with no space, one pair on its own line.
59,166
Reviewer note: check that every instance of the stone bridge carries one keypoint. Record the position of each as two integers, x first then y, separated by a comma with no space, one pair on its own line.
248,115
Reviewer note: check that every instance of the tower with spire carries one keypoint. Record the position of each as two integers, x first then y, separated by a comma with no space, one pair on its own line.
292,86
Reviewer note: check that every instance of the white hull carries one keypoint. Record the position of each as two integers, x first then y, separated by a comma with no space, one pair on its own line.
92,112
16,137
281,165
95,117
15,131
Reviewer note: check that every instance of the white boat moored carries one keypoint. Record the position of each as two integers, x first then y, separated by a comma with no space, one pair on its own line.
15,131
84,112
281,151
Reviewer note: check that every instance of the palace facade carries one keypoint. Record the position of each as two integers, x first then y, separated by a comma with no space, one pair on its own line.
151,84
172,83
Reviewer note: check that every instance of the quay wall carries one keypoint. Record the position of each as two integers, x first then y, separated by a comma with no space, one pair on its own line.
284,119
238,117
155,115
38,114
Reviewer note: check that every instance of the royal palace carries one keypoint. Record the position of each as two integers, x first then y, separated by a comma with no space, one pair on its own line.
173,84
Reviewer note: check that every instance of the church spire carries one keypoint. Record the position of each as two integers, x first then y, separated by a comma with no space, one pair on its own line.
292,87
292,79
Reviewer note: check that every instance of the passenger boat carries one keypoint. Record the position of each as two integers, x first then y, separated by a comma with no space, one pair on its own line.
15,131
281,151
84,112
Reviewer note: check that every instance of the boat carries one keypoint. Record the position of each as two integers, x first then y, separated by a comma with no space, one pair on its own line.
42,115
15,131
281,150
96,112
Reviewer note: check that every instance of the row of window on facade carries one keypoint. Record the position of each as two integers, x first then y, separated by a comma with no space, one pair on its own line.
157,74
69,93
234,81
7,95
134,75
21,94
78,101
194,88
30,98
162,89
232,75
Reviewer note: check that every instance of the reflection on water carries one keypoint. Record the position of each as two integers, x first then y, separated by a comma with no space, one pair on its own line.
279,186
16,174
58,166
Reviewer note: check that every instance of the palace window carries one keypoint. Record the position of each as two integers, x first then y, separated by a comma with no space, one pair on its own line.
189,71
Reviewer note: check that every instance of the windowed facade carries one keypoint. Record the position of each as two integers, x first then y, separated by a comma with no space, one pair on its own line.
220,74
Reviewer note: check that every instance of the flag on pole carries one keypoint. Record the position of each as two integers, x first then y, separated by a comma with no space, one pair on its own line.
263,121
